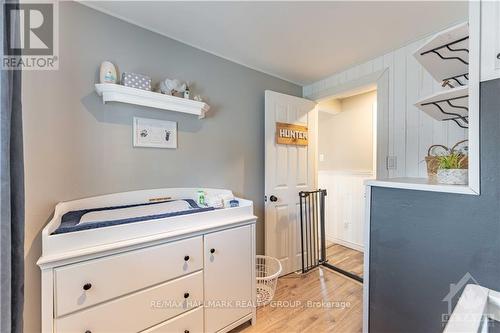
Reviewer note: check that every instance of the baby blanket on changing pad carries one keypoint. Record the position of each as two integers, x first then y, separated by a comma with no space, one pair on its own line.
135,211
108,216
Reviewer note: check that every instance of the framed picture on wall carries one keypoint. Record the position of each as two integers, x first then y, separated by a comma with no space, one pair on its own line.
155,133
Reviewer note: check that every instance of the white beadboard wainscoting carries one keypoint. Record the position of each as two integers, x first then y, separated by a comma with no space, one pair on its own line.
410,131
344,206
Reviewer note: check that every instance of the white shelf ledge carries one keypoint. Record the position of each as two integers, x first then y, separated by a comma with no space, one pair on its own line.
446,55
451,104
420,184
118,93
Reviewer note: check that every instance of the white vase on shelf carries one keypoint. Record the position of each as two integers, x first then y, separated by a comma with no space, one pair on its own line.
453,176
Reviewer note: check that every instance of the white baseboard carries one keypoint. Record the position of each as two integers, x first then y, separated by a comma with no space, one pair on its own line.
345,243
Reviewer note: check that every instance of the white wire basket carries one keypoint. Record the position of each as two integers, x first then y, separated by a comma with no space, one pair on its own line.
268,269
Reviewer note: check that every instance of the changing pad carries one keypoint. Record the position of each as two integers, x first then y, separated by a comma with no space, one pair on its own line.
109,216
135,211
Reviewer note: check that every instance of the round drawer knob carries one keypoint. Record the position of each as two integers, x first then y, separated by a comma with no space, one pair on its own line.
186,331
87,286
212,251
186,258
186,295
87,331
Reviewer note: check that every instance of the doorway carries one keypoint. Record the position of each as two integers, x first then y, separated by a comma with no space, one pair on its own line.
290,169
346,159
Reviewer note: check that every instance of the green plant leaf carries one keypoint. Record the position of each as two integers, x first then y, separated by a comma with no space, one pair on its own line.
451,161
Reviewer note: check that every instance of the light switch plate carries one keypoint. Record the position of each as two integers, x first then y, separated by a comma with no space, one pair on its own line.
392,162
155,133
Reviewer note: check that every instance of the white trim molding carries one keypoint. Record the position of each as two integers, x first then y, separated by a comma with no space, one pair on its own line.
366,261
474,82
378,80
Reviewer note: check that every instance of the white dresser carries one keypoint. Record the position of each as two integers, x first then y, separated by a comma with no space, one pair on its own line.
188,273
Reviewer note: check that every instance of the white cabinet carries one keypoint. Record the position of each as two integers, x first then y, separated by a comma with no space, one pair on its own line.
150,276
135,312
85,284
190,322
490,40
204,283
228,277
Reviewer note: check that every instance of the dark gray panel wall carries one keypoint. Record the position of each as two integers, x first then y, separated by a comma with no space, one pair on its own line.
77,147
423,241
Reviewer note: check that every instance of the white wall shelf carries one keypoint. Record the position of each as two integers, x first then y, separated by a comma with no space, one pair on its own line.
118,93
446,55
420,184
451,104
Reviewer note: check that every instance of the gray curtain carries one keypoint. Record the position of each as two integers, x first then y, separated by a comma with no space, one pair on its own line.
11,192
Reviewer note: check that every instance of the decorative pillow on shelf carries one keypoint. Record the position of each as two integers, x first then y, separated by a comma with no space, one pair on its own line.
138,81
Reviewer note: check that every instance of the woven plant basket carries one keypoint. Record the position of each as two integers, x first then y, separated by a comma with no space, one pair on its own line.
465,160
433,160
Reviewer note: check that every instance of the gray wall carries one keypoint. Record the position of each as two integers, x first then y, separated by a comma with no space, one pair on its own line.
77,147
421,242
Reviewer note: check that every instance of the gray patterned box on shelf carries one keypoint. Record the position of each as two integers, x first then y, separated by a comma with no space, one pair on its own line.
138,81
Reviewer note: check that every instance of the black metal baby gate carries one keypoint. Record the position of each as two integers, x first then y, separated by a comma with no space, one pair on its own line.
312,233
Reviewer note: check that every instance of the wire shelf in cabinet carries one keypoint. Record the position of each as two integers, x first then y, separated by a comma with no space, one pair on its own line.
446,56
448,105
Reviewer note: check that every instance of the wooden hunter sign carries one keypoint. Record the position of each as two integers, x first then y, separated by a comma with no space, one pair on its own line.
290,134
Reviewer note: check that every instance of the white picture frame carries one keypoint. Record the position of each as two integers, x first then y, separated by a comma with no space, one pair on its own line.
154,133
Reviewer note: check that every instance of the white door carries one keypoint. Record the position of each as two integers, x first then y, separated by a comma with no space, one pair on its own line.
228,277
289,170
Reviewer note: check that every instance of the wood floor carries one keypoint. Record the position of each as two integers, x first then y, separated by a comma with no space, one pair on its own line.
301,308
345,258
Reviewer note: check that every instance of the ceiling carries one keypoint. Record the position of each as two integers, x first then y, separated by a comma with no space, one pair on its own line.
301,42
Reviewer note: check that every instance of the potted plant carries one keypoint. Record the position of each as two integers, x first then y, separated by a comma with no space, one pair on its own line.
452,169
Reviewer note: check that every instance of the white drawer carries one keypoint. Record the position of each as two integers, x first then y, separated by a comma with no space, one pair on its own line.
138,311
189,322
84,284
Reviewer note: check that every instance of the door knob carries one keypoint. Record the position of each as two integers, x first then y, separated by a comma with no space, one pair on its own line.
273,198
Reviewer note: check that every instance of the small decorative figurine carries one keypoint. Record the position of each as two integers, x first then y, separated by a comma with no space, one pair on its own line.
172,87
186,92
107,73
